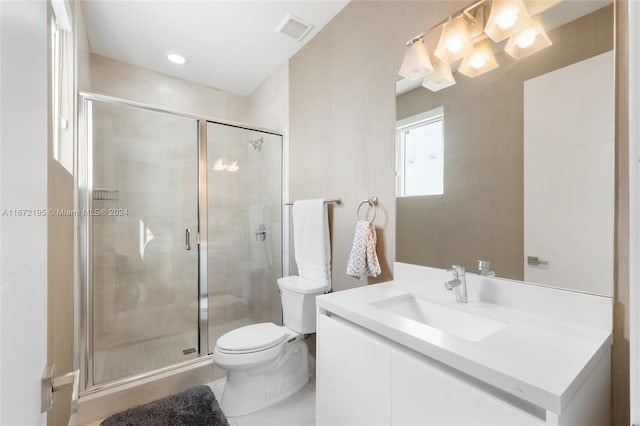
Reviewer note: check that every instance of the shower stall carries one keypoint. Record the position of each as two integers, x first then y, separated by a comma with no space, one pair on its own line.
179,236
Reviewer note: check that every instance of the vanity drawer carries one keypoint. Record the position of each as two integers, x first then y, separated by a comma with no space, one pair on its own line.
423,394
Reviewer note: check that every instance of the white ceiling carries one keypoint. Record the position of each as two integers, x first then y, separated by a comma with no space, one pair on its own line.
229,45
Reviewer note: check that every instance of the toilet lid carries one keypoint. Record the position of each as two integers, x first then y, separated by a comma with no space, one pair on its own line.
252,337
302,285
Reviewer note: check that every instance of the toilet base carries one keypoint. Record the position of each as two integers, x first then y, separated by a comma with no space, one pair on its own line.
250,390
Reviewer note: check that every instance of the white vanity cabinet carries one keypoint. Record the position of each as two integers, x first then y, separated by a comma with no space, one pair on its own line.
353,384
404,353
366,379
363,380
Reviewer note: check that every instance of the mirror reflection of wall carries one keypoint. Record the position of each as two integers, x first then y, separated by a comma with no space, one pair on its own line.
481,211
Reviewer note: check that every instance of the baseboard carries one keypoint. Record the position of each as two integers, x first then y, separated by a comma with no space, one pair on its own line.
102,404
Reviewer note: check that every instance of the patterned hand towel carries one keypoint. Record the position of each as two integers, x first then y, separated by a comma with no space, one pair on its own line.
363,258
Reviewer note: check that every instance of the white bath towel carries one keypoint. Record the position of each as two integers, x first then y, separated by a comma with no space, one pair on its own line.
363,258
311,241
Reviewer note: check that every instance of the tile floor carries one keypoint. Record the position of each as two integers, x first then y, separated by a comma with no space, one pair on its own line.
297,410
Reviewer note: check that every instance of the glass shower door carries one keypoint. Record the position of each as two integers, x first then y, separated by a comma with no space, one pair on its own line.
143,181
244,201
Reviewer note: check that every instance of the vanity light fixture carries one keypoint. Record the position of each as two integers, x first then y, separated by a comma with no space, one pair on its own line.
529,41
416,63
481,60
467,35
507,18
176,59
440,78
455,42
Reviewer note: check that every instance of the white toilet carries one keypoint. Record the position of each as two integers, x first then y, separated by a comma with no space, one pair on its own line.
267,363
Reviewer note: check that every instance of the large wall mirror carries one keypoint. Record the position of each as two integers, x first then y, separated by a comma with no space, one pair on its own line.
525,158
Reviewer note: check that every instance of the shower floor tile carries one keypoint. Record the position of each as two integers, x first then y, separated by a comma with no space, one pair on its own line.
122,361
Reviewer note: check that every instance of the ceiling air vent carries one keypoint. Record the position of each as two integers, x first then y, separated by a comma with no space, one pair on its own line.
294,27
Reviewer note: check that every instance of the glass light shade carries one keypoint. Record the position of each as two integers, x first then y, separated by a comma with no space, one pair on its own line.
528,41
507,18
416,63
479,61
455,42
440,78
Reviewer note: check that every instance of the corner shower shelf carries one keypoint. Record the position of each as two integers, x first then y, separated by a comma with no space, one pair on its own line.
105,194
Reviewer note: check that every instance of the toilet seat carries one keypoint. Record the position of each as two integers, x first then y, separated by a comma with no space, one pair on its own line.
252,338
251,345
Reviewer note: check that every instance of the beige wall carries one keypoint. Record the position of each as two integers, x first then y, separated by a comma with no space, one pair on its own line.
121,80
480,214
342,118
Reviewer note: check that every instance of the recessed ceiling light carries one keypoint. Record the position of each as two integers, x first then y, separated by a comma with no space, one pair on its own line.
176,59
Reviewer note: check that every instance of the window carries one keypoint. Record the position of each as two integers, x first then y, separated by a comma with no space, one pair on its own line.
420,154
62,90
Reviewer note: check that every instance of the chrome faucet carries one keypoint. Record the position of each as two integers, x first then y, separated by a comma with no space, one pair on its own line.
484,268
458,284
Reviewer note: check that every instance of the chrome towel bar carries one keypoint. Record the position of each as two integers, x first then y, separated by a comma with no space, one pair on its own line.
336,200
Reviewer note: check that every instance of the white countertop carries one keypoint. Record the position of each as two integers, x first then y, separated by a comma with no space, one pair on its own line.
539,356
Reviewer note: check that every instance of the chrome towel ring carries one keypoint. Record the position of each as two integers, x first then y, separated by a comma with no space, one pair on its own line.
371,202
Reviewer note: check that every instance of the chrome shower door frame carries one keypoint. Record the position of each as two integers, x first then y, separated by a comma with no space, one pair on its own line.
83,286
203,252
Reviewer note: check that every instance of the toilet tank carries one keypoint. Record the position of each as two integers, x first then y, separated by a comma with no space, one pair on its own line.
298,297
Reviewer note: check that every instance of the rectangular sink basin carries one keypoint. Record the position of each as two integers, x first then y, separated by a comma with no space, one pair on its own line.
451,321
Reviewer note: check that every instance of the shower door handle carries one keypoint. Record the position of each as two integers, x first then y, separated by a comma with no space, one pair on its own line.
187,239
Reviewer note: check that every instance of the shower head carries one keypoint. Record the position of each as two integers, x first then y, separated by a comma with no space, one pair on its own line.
256,144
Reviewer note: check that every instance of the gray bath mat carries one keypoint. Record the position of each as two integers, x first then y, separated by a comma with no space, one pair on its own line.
195,406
